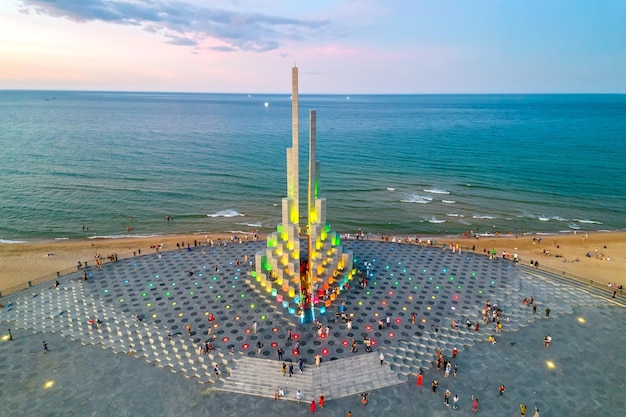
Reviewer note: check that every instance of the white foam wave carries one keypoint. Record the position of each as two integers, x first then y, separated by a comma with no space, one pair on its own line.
483,216
586,221
391,189
452,214
435,191
435,220
557,218
414,198
119,236
226,213
11,241
257,224
448,201
61,238
573,226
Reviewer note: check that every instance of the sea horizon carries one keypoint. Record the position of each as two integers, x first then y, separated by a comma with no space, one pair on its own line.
319,94
396,164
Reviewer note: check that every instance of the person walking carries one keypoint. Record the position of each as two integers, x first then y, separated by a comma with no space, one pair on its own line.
474,404
290,370
289,335
318,360
280,353
455,400
501,390
10,335
420,379
321,401
254,326
435,385
536,412
284,368
353,347
382,358
456,368
312,406
45,347
301,364
547,340
446,398
298,396
446,372
522,410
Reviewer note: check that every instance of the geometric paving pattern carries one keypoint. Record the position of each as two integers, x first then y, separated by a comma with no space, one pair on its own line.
436,285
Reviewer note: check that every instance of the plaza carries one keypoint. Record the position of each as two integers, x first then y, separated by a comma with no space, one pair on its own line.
88,370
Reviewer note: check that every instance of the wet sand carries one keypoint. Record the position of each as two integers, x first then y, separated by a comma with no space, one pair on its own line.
23,262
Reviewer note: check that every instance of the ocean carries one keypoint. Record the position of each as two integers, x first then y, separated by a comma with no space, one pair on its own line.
115,164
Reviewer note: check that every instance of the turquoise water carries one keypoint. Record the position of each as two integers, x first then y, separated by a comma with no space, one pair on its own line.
412,164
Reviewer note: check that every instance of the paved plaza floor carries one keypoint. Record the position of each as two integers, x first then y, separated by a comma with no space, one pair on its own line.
87,371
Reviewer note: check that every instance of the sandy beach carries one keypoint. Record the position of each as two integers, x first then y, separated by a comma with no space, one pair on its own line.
597,256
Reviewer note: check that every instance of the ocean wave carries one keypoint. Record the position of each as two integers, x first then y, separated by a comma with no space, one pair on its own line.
557,218
257,224
414,198
483,216
435,220
585,221
448,201
435,191
226,213
391,189
120,236
11,241
573,226
452,214
61,238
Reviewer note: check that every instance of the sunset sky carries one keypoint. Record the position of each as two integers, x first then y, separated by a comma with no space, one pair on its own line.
340,46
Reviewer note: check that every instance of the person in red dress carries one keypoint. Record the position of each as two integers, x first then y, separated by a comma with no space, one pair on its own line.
313,408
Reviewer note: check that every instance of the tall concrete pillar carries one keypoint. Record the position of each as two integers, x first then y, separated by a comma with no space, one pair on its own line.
293,190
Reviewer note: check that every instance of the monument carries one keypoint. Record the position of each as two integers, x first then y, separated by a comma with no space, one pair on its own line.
303,284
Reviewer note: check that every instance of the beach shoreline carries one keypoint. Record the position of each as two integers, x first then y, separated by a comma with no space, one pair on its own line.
593,256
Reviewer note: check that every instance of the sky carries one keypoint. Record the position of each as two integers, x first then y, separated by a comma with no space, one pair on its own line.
339,46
